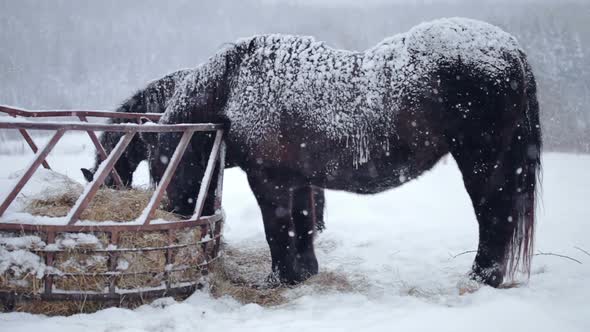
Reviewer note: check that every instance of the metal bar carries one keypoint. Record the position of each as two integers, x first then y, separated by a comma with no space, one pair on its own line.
128,250
123,227
219,189
116,298
49,262
113,260
102,172
168,173
124,127
32,145
204,188
39,158
14,111
101,151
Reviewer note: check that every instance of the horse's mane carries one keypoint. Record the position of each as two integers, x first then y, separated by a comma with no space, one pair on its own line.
154,97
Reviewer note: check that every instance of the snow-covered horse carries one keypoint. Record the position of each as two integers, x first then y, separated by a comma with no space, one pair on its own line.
301,115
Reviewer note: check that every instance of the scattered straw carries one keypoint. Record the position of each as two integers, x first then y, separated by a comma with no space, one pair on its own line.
241,274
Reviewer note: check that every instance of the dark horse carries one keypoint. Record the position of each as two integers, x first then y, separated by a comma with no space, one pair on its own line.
152,99
301,115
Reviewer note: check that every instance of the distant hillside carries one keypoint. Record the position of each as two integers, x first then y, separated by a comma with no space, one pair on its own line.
59,54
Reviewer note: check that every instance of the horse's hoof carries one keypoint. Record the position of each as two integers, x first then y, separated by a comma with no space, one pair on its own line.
492,276
273,280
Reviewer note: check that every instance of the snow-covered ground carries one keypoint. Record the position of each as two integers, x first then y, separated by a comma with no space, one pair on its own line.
395,250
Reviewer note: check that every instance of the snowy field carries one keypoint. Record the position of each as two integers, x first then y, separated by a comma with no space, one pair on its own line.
394,250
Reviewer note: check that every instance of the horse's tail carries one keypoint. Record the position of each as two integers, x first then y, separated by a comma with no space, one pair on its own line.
525,156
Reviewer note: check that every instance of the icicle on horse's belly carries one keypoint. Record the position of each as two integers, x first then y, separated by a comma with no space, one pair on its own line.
357,164
381,170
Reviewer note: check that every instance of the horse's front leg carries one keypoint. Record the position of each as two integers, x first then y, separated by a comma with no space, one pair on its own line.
308,212
275,198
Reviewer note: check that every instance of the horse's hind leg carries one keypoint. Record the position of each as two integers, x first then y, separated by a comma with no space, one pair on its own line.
308,210
500,179
492,209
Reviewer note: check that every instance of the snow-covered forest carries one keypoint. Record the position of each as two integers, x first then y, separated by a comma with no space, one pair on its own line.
64,54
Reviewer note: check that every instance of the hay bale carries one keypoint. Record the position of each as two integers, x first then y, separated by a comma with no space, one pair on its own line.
107,205
191,255
81,262
187,235
20,269
142,268
191,274
132,240
82,241
79,268
86,266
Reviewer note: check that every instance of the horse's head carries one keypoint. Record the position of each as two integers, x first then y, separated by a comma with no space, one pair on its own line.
125,166
156,161
123,169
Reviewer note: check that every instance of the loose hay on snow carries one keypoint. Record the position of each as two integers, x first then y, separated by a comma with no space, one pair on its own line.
241,273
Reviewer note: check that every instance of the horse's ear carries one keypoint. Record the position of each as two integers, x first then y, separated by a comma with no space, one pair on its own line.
88,175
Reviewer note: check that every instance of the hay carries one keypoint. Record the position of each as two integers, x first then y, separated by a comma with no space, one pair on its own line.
107,205
187,235
189,275
82,282
28,284
191,255
142,268
221,284
133,240
61,308
81,264
81,242
242,274
138,281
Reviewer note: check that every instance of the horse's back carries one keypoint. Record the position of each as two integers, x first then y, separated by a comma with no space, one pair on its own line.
295,102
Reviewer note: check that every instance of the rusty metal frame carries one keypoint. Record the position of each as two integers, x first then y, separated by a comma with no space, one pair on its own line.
210,226
14,111
167,177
